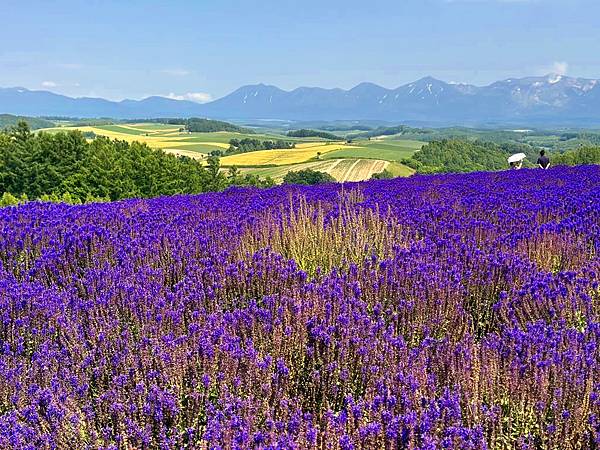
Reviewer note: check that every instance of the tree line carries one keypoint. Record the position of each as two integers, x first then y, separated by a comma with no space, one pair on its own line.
390,131
451,155
250,145
582,155
304,133
211,126
8,120
197,125
307,177
65,164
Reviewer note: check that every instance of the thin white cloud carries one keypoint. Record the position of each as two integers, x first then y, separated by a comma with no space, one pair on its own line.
560,67
176,72
49,84
198,97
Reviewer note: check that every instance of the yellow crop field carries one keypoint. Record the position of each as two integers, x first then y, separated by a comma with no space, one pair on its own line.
168,137
183,152
280,157
164,139
340,169
356,169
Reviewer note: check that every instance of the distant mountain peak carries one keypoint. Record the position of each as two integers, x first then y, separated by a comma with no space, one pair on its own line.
429,80
368,89
553,98
366,85
260,86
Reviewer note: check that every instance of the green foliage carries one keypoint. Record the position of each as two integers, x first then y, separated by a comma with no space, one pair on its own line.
8,199
307,176
89,135
391,131
582,155
65,167
236,178
465,156
387,150
568,136
346,128
8,120
385,175
334,126
197,125
250,145
65,197
162,120
304,133
210,126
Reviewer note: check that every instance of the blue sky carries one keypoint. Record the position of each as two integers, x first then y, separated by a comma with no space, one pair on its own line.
205,49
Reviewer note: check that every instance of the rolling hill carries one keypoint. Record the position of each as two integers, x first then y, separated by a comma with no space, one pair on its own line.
7,120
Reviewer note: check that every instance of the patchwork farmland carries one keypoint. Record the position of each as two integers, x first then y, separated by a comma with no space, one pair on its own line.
356,161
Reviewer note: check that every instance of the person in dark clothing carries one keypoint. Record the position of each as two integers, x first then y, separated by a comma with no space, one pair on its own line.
543,161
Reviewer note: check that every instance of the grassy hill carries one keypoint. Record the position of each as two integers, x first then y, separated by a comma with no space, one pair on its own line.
7,120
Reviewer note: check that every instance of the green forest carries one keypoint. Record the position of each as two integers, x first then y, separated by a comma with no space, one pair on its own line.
307,177
582,155
250,145
304,133
8,120
400,130
66,165
211,126
195,125
452,155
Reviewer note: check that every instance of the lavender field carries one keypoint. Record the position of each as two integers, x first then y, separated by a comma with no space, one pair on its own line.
435,312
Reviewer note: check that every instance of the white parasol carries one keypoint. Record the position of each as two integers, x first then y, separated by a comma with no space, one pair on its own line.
517,157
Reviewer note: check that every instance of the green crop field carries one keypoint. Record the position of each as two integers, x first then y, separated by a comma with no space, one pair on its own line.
121,129
387,150
399,170
152,126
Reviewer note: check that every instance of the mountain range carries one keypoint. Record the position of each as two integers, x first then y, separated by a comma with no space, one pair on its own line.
552,99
